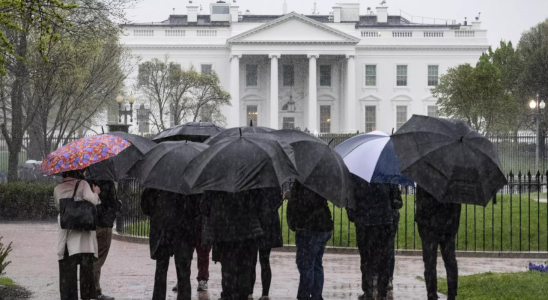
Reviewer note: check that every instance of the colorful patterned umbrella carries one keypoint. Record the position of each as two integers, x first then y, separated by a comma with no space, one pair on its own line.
82,153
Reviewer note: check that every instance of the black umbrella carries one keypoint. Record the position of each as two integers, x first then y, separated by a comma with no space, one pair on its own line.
449,160
191,131
116,168
237,131
162,167
290,136
241,163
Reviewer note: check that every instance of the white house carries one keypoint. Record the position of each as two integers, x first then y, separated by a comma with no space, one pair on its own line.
341,72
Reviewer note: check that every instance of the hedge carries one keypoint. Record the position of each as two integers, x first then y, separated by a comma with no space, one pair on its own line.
25,201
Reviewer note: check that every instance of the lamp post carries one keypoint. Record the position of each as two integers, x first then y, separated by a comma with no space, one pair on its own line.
143,113
125,112
537,108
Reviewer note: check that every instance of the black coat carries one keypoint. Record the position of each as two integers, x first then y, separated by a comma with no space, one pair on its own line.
109,207
434,216
397,202
172,220
270,218
231,217
375,203
308,210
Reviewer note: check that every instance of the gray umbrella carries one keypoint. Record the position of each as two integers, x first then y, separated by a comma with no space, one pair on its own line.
449,160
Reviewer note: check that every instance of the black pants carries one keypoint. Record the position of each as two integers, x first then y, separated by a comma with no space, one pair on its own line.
373,244
183,259
236,268
266,272
430,244
68,279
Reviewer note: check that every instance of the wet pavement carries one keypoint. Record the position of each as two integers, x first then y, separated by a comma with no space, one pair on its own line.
129,271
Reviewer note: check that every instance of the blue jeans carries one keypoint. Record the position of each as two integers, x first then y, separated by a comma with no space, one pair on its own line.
310,248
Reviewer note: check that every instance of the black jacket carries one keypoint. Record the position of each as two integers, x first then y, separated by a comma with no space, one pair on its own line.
231,217
172,220
109,207
434,216
270,218
397,202
308,210
374,203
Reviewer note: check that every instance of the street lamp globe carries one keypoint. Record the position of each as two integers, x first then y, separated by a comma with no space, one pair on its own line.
533,104
131,99
120,99
542,104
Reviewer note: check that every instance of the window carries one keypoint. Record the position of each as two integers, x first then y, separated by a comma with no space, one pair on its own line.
401,78
325,118
433,75
252,115
401,116
432,111
288,123
289,75
207,69
325,75
371,75
251,75
370,118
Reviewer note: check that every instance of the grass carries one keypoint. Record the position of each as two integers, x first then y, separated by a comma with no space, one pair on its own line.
500,286
6,281
510,225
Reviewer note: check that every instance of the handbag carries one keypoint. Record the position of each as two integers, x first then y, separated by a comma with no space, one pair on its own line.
77,215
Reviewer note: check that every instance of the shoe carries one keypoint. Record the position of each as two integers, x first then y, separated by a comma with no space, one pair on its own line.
175,288
364,297
104,297
451,298
383,298
264,298
202,286
390,286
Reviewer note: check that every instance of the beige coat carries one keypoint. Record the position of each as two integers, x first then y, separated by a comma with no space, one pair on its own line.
76,241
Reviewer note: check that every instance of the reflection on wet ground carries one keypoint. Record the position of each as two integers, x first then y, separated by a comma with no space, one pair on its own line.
129,271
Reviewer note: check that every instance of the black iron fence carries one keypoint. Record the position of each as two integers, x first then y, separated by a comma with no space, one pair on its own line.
516,220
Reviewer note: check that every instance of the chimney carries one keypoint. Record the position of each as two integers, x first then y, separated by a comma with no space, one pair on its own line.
382,14
350,12
336,14
234,14
477,23
285,7
192,13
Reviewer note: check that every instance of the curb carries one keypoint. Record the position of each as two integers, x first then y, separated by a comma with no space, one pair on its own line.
347,250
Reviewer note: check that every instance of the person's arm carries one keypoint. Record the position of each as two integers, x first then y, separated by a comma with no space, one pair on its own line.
395,195
88,194
147,201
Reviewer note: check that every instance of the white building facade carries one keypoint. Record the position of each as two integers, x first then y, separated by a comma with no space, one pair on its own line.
337,73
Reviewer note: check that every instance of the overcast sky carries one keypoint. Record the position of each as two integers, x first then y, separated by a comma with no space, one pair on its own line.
504,19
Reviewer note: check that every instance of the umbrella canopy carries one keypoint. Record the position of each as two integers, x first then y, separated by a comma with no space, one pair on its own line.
236,132
116,168
241,163
82,153
449,160
372,157
290,136
162,167
191,131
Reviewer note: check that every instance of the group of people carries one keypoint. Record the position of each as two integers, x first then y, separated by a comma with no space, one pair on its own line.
242,229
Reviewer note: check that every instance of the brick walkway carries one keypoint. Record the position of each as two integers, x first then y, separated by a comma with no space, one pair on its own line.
129,272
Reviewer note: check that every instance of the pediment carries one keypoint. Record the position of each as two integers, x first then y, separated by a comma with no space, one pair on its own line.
294,28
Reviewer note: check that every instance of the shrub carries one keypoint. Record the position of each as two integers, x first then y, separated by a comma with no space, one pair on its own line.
3,255
25,201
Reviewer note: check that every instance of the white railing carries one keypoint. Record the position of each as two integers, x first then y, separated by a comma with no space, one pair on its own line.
175,32
371,34
433,34
143,32
207,32
402,34
464,34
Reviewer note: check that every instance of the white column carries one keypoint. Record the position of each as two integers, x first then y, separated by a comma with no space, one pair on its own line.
312,95
350,115
234,117
274,102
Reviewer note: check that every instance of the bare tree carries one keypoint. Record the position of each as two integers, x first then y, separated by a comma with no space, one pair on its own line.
208,96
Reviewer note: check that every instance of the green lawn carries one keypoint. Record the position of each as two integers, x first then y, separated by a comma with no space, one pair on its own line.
6,281
500,286
501,223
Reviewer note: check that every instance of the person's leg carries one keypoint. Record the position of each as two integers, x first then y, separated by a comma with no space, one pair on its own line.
183,261
447,246
104,239
317,288
246,252
228,270
365,246
304,263
429,256
160,279
392,247
253,276
87,283
382,258
68,278
266,272
202,252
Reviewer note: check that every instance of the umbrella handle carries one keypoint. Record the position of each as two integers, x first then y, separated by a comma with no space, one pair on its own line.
240,131
329,144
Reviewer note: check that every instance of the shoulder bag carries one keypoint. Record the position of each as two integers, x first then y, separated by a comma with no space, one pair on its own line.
77,215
